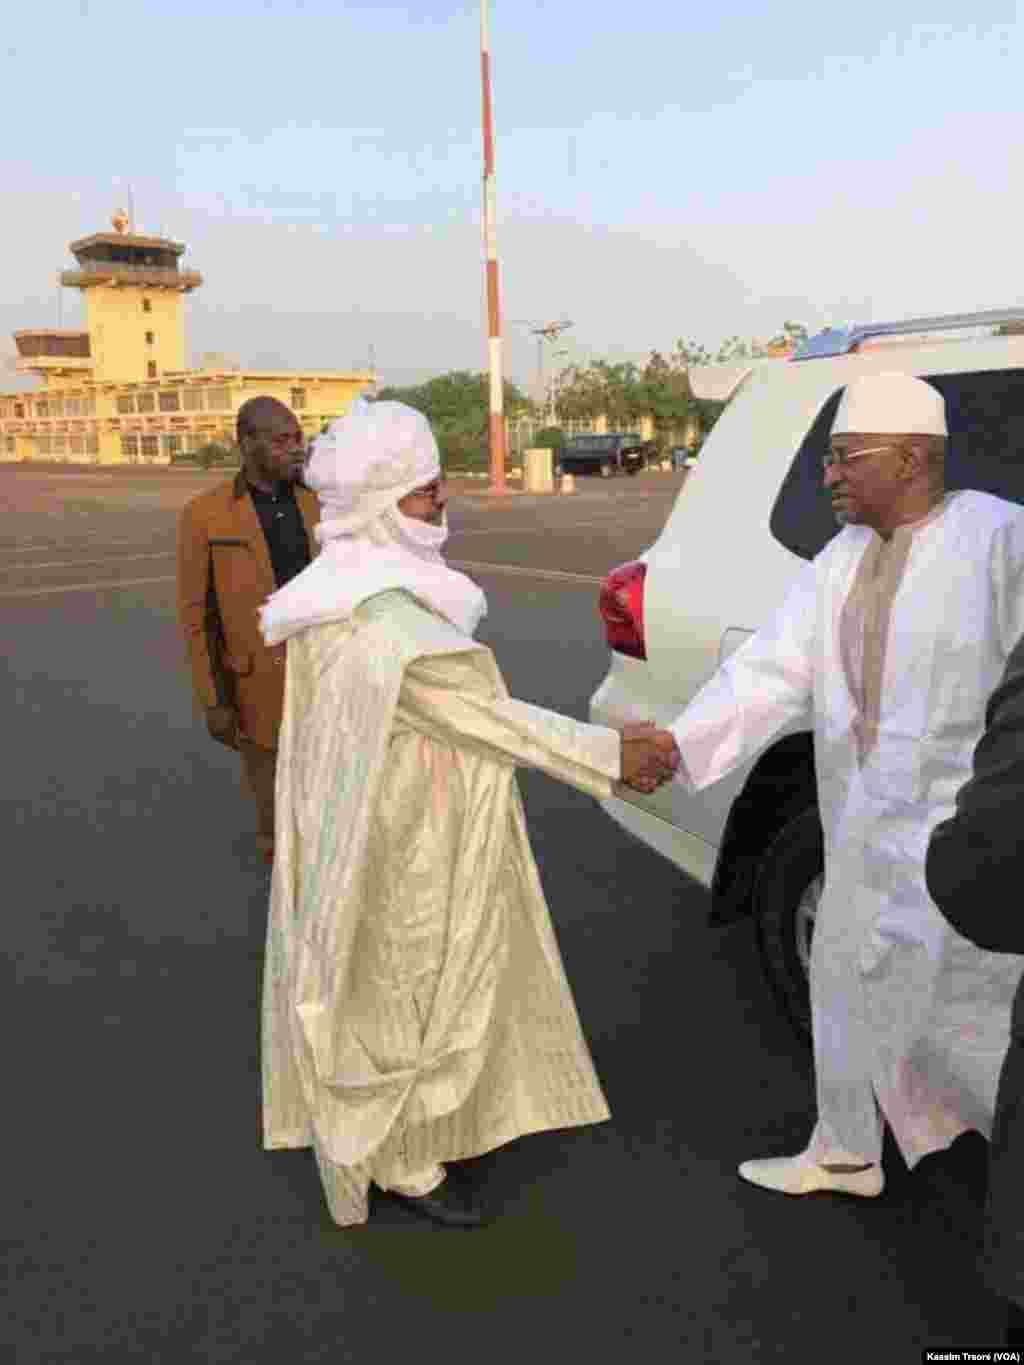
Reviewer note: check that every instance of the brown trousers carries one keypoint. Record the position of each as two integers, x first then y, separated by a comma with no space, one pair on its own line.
259,766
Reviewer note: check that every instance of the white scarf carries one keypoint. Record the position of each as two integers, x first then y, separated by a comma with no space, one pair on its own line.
394,551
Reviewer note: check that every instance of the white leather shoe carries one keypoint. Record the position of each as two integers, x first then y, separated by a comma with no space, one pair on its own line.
801,1175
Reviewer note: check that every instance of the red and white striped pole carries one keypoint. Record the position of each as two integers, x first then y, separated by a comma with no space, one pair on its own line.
497,421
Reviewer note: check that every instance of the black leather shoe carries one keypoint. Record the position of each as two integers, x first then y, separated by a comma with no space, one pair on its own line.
452,1203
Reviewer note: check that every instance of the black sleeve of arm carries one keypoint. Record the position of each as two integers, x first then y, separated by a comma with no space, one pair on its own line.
975,865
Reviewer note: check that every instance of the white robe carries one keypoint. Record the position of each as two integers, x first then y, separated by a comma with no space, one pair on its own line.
904,1010
415,1005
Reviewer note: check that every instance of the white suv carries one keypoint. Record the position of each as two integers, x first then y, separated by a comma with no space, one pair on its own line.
750,509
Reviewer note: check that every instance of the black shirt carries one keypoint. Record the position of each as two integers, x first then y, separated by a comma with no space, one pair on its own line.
283,529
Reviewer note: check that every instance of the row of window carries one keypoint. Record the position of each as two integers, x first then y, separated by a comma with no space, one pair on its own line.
50,407
176,400
66,445
133,446
169,444
66,407
167,400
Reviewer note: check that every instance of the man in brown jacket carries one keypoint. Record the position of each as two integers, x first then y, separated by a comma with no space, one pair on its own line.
236,545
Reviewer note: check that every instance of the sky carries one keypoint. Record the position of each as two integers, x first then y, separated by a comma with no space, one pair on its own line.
663,171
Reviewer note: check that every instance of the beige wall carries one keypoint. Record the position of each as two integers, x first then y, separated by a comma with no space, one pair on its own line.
151,421
118,325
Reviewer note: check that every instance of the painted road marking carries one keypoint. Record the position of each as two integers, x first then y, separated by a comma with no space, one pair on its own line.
74,563
470,566
535,528
84,587
557,575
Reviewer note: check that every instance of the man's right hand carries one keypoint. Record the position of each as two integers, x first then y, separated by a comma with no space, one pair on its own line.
649,756
222,725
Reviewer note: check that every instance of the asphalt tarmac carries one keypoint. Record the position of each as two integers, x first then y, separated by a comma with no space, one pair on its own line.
142,1221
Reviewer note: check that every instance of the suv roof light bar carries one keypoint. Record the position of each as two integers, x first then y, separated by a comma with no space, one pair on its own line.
835,341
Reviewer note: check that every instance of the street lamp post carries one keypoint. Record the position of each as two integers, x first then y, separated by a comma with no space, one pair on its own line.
497,423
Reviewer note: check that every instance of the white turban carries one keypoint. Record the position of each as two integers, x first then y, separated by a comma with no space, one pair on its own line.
890,405
365,461
360,467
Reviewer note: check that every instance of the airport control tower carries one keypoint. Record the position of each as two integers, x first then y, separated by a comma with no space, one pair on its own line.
134,319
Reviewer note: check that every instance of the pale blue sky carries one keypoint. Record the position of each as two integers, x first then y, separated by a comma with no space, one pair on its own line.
661,171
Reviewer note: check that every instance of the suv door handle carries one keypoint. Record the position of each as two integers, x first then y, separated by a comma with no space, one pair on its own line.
731,641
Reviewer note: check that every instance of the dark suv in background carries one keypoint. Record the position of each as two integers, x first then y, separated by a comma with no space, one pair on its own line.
613,453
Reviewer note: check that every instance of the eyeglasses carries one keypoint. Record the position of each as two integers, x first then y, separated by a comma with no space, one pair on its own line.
839,459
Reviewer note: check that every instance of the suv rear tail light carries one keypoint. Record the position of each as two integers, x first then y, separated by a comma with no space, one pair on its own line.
621,605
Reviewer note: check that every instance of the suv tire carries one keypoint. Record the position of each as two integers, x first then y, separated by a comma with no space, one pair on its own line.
786,895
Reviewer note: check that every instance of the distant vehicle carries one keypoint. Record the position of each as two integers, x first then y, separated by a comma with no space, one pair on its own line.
611,453
745,518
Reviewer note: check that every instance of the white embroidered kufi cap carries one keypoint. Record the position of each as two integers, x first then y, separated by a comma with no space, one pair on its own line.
365,461
891,405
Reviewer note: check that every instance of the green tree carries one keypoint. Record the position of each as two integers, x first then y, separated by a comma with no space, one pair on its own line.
731,351
458,407
548,438
666,395
579,395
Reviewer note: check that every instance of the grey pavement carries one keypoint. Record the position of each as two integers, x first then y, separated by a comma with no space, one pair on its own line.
142,1221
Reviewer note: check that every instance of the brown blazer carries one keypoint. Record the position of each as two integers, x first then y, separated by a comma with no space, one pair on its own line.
224,524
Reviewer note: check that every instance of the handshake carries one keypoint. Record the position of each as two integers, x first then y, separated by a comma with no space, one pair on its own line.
649,756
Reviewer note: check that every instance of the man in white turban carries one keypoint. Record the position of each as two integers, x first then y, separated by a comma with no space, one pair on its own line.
892,638
416,1010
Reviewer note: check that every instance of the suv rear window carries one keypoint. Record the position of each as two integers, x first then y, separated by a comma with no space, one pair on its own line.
985,413
600,442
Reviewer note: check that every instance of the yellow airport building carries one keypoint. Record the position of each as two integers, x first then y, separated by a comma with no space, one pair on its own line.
119,392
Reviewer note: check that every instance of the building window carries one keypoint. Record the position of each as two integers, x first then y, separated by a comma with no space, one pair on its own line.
125,402
12,445
193,400
43,445
77,444
169,401
298,398
130,448
60,446
145,402
92,445
89,406
171,445
149,338
216,399
150,447
151,369
42,408
19,409
73,407
147,307
56,407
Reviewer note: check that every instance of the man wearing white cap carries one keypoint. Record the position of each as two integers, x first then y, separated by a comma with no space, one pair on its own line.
416,1010
893,638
